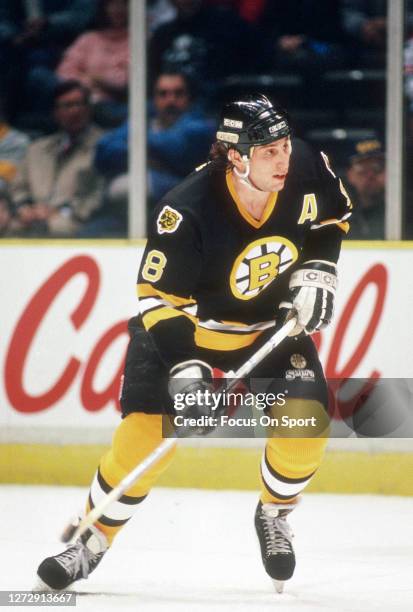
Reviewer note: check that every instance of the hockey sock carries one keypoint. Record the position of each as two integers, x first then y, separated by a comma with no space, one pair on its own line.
288,463
136,436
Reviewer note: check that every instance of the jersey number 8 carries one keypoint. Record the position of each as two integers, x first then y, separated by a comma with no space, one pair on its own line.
154,266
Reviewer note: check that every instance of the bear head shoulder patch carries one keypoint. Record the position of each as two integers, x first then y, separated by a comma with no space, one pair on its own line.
168,220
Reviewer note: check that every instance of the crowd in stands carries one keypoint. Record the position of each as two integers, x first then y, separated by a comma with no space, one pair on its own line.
57,188
64,68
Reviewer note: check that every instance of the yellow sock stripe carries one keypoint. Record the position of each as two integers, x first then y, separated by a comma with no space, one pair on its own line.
278,486
285,479
295,458
110,532
109,522
119,511
135,438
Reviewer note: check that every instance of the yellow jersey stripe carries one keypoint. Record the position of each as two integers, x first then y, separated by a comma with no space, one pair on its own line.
344,225
147,290
162,313
221,341
204,338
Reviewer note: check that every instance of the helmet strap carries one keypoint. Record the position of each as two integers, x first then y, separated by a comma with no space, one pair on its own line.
243,175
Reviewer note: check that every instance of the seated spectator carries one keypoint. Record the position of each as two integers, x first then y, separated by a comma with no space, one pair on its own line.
179,136
365,181
111,161
33,35
56,188
100,60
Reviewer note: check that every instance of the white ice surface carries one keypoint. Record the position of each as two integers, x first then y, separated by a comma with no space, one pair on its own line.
190,550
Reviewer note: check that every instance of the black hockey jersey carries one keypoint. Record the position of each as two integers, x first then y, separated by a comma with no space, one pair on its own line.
212,275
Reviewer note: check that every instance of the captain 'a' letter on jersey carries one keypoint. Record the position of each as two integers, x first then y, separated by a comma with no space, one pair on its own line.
212,275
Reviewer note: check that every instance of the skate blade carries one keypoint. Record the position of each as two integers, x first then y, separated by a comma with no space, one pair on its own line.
279,585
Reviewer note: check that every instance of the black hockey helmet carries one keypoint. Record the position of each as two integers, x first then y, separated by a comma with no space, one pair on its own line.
252,121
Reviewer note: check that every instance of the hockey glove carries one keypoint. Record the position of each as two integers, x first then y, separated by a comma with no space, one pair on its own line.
313,287
190,387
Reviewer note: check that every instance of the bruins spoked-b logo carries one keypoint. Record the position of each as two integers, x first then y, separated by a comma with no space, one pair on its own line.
168,220
259,264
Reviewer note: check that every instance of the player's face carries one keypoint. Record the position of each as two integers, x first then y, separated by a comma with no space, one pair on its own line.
269,165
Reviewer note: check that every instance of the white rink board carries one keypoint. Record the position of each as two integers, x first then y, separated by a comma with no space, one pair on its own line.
61,303
196,551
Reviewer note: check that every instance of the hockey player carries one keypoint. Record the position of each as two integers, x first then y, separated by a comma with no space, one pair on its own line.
258,227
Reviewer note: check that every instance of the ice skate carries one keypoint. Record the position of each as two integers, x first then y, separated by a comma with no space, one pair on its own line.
275,538
76,562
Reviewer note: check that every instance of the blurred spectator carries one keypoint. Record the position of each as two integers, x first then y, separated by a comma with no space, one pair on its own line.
13,145
250,10
158,12
56,188
302,35
179,137
366,22
210,42
111,161
111,157
33,34
366,186
100,60
35,22
5,217
408,69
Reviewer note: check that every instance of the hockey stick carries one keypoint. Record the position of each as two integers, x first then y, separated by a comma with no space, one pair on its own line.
74,531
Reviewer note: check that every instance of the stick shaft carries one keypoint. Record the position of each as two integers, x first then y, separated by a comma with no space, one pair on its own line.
266,349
